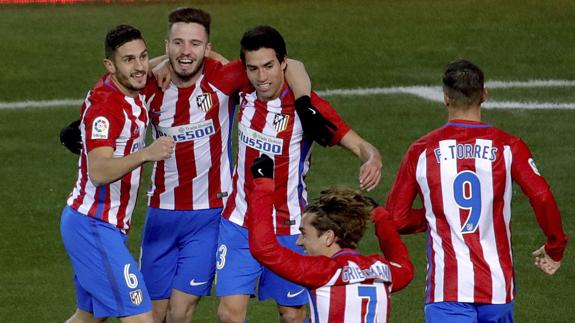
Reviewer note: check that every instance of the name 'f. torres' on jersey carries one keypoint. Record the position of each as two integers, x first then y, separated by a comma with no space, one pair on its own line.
464,173
273,128
199,118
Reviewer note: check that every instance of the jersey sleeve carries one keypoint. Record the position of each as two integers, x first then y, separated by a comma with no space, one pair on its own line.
309,271
526,175
102,127
229,78
393,249
403,192
328,112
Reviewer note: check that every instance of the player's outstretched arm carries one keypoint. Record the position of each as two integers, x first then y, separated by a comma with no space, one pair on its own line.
370,170
104,168
544,262
393,248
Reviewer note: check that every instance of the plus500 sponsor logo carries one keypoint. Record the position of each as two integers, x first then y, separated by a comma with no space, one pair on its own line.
264,144
184,135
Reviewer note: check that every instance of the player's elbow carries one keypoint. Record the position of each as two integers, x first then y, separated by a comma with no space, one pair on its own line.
404,275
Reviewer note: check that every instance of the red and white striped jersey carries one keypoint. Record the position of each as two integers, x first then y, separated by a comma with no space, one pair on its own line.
199,118
464,173
273,128
346,287
110,119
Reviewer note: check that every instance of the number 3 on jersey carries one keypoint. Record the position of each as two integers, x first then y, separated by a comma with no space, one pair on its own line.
467,194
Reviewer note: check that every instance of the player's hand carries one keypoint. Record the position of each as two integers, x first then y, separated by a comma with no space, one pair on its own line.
162,74
370,174
544,262
313,123
71,137
262,166
162,148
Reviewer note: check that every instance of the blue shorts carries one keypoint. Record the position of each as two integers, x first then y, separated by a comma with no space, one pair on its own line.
179,251
238,271
445,312
106,277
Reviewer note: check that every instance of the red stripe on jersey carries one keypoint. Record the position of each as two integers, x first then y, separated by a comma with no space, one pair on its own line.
214,182
159,166
499,226
186,168
481,272
337,296
450,262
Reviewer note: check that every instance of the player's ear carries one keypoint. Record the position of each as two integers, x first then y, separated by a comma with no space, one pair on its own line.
329,237
446,99
283,64
166,42
484,95
208,49
109,65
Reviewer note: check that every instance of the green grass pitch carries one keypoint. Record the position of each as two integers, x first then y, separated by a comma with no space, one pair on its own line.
55,52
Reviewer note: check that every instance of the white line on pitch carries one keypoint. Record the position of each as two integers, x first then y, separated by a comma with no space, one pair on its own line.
431,93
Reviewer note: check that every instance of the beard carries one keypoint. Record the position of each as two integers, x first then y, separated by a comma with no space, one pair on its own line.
186,75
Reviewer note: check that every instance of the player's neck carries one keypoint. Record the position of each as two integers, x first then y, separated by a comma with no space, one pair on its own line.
471,114
185,82
123,89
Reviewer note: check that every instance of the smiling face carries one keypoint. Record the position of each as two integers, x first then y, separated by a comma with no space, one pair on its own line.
265,72
186,47
129,67
312,241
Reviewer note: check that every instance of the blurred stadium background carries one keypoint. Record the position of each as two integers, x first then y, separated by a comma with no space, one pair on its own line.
54,51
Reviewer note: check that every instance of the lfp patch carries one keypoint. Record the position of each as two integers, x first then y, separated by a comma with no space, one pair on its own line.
100,128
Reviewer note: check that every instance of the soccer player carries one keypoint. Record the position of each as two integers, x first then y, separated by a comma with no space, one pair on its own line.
95,223
269,124
344,286
178,256
464,172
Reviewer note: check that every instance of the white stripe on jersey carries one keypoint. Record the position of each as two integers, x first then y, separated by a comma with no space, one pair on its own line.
436,241
508,157
323,299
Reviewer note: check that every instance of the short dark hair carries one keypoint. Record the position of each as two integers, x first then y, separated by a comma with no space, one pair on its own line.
189,15
263,37
463,82
118,36
344,211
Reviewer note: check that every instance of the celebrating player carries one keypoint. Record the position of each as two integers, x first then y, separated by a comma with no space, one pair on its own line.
463,173
269,124
344,286
96,221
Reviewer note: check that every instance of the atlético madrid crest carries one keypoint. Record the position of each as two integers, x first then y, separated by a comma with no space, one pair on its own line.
281,122
136,297
204,102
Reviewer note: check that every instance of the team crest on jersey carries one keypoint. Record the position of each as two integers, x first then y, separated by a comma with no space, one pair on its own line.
136,297
100,128
204,102
281,122
533,166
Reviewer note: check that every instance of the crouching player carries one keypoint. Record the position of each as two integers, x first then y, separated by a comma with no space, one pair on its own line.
344,286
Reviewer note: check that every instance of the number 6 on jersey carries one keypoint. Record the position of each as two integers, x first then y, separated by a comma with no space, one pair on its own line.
467,194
